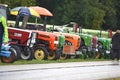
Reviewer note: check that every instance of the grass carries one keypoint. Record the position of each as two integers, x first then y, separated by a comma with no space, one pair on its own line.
112,79
19,62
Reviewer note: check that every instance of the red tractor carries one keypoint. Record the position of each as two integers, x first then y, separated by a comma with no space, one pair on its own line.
22,41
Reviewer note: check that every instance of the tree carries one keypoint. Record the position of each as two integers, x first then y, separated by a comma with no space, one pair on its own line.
83,12
90,13
110,18
117,9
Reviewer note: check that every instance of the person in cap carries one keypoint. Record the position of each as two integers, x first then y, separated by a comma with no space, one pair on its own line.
3,31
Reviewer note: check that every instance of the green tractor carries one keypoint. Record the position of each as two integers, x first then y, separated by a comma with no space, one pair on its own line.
104,48
86,45
61,42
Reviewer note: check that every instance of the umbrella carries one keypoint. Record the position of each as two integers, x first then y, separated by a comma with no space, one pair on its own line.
42,11
24,11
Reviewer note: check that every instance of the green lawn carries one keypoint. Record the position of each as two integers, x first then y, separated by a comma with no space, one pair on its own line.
49,61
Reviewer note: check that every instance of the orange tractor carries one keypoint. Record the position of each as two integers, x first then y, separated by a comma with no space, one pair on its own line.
71,46
49,41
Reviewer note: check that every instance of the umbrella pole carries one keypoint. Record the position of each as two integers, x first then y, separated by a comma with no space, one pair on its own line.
44,25
36,22
17,21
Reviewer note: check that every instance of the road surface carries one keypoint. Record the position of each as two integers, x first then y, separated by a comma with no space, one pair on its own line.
61,71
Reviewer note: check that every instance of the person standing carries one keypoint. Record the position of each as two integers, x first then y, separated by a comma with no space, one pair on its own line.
116,46
3,31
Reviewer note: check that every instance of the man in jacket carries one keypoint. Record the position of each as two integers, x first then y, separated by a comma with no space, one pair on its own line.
116,46
3,31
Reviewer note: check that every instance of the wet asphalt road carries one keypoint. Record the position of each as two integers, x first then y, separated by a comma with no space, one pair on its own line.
61,71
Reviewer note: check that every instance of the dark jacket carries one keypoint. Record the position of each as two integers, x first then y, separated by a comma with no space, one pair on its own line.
116,41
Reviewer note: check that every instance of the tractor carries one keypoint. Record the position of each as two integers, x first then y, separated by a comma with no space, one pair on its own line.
22,41
72,44
86,45
104,48
52,42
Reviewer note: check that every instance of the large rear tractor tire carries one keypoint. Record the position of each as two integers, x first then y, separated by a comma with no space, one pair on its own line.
12,57
27,53
53,55
40,53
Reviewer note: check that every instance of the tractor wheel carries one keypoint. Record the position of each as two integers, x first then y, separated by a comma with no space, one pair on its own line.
100,50
53,55
84,51
27,53
107,55
40,53
10,59
16,51
81,56
77,56
82,45
98,55
63,56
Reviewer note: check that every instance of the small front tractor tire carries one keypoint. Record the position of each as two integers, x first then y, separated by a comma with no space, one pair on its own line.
40,53
27,53
63,56
54,55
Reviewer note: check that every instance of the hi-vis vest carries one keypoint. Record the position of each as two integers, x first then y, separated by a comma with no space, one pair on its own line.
4,28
